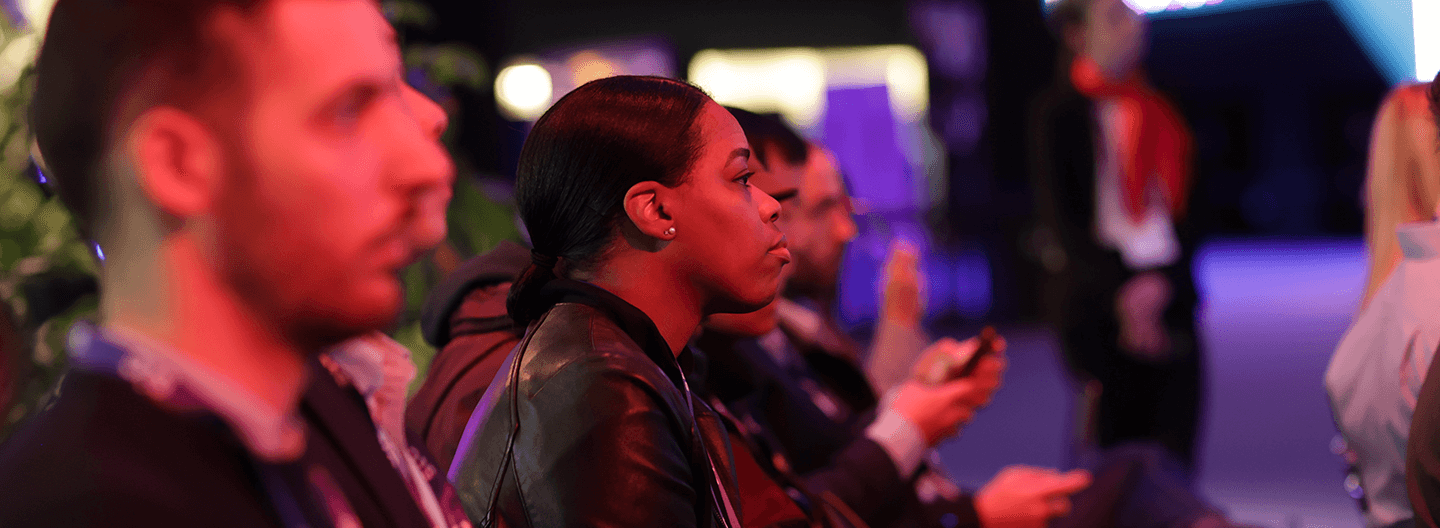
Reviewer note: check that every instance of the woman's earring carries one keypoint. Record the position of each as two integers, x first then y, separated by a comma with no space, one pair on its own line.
670,232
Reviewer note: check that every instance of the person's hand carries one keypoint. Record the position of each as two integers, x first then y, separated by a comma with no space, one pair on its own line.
902,285
1027,497
940,410
1140,307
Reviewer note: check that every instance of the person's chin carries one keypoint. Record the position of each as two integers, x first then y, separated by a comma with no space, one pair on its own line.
375,309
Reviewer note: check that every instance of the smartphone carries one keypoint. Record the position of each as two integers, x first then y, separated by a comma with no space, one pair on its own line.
988,336
943,368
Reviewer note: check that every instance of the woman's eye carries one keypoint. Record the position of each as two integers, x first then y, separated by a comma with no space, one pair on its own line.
745,179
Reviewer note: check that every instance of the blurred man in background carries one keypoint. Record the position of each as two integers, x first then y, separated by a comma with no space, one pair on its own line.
257,172
1111,177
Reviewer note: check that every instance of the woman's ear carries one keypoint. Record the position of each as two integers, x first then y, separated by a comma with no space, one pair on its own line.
645,204
177,160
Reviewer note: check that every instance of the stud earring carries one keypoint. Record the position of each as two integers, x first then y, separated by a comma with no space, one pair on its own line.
670,232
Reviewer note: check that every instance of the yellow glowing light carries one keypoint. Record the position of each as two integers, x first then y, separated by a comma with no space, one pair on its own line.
790,81
587,66
908,81
794,81
17,55
523,91
36,12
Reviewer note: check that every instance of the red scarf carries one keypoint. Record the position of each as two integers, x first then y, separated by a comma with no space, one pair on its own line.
1155,145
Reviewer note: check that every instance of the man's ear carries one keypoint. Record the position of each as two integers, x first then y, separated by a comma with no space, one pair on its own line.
645,205
177,160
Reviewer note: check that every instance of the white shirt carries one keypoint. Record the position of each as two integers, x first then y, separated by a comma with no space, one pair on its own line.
1149,244
375,365
1376,372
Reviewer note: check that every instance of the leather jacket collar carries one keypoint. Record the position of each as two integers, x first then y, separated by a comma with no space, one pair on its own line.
630,319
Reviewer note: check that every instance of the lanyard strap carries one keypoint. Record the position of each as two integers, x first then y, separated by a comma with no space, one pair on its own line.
718,494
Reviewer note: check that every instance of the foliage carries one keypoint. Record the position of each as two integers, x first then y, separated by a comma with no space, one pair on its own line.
39,247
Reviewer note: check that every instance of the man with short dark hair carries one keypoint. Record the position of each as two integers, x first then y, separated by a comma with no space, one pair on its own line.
256,172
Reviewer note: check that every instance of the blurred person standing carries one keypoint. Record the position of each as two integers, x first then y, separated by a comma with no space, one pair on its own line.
1402,178
256,172
1111,177
1378,368
1422,449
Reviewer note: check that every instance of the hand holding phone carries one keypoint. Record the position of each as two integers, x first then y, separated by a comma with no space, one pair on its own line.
940,366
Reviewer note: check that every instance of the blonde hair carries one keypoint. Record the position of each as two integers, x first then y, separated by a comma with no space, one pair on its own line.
1402,177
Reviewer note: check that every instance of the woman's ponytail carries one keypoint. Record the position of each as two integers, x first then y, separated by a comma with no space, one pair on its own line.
524,303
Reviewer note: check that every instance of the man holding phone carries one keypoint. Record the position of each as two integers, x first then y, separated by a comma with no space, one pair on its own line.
811,401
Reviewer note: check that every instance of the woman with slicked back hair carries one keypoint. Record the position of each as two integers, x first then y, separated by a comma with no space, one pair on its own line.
636,195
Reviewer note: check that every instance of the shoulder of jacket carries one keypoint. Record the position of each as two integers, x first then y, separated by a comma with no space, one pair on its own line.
581,343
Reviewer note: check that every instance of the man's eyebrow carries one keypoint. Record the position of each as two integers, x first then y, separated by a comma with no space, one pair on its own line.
785,194
742,153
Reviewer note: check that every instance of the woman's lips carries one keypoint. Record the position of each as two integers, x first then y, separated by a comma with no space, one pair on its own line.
781,249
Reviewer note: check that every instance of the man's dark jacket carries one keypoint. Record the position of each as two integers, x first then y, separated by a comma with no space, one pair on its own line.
831,455
1157,401
105,455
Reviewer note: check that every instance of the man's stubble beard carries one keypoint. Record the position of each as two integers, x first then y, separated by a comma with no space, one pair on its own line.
242,270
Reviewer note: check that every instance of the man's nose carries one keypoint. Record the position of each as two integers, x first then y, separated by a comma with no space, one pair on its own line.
422,162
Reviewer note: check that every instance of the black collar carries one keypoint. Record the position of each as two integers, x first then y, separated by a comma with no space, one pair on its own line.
629,318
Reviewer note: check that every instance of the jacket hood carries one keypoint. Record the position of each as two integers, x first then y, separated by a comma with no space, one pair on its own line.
501,264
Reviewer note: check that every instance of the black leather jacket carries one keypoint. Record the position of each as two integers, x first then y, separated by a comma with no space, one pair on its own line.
608,432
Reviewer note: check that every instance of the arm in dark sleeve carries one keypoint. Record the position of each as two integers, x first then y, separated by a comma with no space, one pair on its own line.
864,478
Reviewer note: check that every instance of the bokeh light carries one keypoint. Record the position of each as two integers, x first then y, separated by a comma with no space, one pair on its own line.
523,91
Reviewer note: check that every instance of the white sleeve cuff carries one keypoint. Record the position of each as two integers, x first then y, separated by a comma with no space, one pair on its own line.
900,439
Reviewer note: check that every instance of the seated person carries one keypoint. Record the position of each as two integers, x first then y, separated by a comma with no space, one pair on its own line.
240,209
465,320
1378,367
635,192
